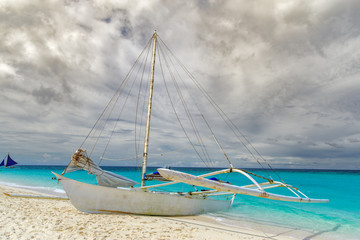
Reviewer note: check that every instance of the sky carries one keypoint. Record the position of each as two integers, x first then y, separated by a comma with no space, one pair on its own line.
287,72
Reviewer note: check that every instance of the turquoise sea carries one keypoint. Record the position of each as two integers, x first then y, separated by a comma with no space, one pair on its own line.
338,219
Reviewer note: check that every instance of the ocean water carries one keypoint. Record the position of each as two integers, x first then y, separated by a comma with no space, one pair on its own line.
338,219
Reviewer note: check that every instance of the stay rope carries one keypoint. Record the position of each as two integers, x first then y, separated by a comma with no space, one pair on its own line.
173,107
226,119
105,115
185,105
168,61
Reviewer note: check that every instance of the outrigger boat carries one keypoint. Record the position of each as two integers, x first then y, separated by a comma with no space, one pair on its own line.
118,194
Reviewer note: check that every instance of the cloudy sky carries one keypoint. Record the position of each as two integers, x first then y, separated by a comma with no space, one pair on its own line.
287,72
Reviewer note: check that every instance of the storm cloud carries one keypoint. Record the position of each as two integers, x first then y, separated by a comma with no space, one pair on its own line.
286,72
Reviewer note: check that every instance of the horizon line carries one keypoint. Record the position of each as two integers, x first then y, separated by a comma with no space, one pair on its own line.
255,168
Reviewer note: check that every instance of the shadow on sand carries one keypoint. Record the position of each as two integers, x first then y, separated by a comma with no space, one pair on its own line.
334,229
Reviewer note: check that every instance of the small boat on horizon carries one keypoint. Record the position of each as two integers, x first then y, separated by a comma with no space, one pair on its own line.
8,162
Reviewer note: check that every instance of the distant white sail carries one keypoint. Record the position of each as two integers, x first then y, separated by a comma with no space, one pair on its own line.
80,160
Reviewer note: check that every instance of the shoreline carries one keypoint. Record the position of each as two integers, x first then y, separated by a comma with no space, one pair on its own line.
331,222
25,218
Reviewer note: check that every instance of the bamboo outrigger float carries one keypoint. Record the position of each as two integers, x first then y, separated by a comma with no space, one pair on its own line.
117,194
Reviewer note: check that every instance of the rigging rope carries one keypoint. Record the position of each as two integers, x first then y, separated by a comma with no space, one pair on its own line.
225,118
154,154
136,145
165,55
173,107
118,118
103,115
192,122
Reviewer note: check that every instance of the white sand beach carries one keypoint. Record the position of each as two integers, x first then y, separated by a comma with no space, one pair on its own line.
32,218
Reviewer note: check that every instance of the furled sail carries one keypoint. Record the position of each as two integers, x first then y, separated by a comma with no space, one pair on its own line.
80,160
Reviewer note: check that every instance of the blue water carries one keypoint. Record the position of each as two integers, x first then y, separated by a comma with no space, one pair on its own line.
340,217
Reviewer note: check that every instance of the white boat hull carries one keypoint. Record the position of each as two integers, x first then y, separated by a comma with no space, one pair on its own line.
98,199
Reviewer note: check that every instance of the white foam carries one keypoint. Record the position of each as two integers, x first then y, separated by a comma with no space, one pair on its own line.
48,190
59,190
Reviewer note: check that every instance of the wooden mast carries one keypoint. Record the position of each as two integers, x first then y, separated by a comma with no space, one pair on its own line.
147,130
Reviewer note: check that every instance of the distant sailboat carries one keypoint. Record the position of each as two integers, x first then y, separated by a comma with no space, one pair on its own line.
8,162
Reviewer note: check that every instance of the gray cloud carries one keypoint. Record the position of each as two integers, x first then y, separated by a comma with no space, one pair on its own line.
286,72
45,95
